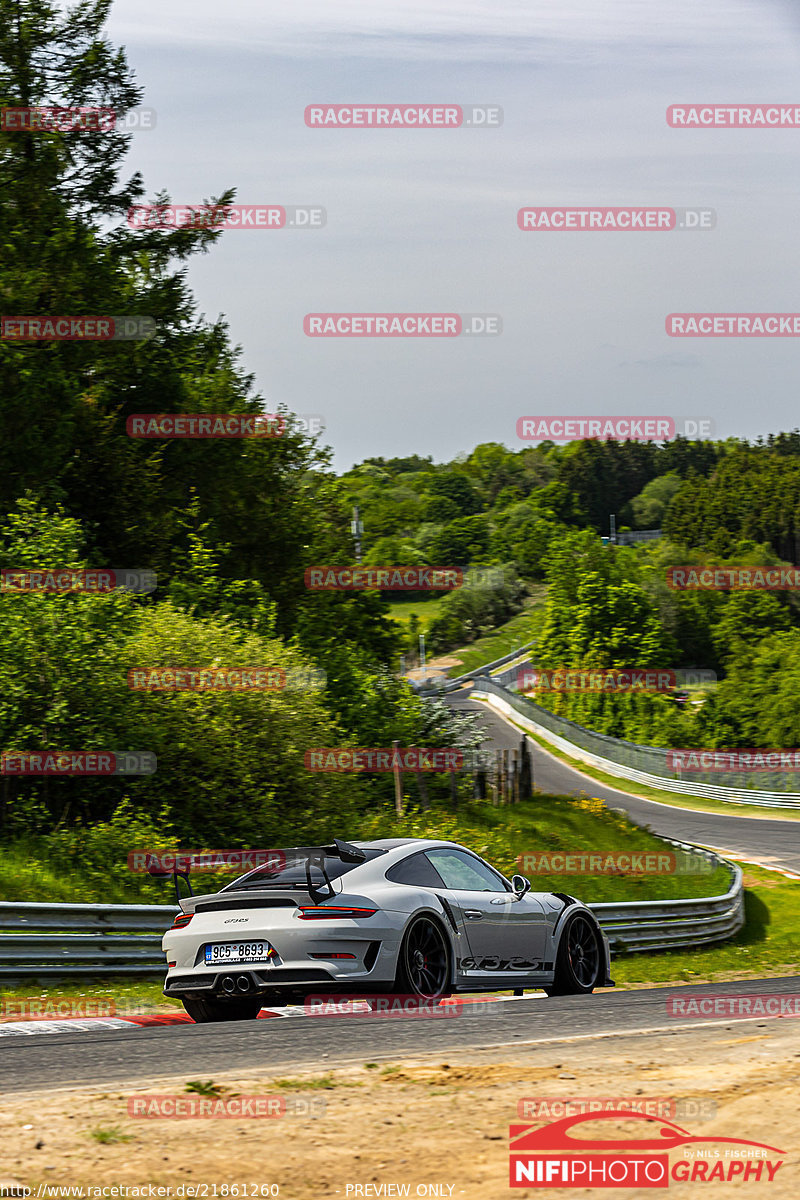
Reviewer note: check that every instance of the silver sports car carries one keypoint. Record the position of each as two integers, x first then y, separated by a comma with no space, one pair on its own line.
422,918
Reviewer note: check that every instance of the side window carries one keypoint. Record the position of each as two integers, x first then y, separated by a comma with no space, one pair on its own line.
465,873
417,871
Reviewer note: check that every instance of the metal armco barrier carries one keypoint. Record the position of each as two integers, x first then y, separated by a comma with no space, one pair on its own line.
47,941
623,759
668,924
44,943
435,684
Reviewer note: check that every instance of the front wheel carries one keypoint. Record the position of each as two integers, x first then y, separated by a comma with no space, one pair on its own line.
423,967
209,1009
579,960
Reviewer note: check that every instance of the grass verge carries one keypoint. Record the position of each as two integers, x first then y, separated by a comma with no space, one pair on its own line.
768,945
698,804
545,825
426,610
524,627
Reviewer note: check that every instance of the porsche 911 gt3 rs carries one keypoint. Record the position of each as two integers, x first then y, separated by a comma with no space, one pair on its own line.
420,917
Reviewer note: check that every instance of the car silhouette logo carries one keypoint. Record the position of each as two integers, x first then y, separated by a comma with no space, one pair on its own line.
552,1156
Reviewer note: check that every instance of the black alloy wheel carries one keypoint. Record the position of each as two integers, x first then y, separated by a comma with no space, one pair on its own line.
424,965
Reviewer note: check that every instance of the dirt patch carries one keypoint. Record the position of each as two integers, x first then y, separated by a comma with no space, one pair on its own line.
435,666
459,1075
421,1124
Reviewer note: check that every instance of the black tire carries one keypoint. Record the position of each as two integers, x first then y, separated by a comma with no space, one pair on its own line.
579,962
211,1009
423,965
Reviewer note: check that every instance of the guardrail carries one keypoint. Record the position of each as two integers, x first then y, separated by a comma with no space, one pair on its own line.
623,759
41,941
43,944
670,924
435,684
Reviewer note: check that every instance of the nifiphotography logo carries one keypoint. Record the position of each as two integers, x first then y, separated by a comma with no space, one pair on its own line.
557,1156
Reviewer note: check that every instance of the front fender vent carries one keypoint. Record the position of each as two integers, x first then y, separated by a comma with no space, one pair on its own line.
448,912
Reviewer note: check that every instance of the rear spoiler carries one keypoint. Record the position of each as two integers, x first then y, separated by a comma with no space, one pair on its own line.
339,849
176,873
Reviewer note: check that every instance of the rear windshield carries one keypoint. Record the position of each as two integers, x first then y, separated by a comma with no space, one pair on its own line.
291,869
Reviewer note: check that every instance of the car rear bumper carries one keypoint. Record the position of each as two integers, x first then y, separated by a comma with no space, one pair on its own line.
231,981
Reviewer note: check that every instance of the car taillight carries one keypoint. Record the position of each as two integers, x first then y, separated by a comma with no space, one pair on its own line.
329,912
181,920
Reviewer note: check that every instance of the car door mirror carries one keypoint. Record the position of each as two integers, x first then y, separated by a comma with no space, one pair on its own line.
520,884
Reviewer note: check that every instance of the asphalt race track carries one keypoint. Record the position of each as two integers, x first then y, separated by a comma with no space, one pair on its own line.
50,1060
772,842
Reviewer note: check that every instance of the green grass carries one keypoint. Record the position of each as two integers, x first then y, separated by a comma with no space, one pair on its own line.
108,1137
30,871
426,610
205,1087
551,824
524,627
120,996
675,799
769,944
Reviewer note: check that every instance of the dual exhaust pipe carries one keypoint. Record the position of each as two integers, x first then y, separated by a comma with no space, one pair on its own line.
241,983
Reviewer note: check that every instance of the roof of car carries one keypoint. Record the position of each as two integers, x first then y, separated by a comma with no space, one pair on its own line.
391,843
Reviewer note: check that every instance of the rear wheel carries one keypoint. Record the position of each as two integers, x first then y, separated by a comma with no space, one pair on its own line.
210,1009
579,960
423,967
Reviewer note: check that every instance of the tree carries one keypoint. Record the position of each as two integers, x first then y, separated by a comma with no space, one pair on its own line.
67,250
652,502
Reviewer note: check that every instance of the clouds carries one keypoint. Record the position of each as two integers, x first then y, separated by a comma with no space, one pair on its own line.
425,221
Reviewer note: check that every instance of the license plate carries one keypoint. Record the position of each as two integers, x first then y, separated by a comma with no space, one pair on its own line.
231,952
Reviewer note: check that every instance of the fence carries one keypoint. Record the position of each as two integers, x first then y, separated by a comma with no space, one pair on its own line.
627,760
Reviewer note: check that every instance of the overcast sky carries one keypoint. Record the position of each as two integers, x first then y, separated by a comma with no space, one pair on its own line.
425,220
